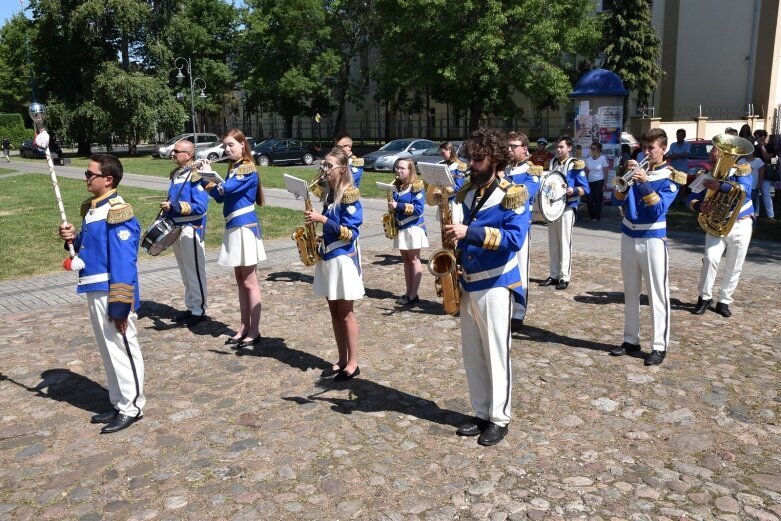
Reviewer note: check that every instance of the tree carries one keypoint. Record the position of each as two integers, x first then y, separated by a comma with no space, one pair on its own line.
16,81
632,47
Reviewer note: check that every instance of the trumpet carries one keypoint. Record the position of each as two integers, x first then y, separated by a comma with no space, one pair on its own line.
624,182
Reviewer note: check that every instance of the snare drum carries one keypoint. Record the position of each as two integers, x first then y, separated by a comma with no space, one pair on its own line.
162,234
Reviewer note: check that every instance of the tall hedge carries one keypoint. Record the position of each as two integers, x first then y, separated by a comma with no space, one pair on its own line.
12,126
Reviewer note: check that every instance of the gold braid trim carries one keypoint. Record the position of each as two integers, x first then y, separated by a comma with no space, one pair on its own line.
651,199
516,196
492,238
461,166
536,170
124,293
408,209
119,212
345,233
351,195
185,207
743,169
579,164
504,184
245,169
357,161
677,177
417,186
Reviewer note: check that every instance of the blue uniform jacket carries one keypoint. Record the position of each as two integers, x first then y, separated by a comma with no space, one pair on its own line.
645,205
356,168
576,179
108,245
743,180
458,171
340,231
238,194
189,201
521,174
409,207
488,252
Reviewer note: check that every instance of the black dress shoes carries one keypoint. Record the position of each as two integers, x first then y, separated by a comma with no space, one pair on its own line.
234,341
104,417
473,428
402,301
701,306
194,320
182,317
625,349
412,301
330,371
655,358
343,375
549,281
562,284
121,421
516,324
492,435
249,343
723,310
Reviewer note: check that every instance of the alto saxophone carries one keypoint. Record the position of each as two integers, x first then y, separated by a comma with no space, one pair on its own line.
389,224
443,263
306,236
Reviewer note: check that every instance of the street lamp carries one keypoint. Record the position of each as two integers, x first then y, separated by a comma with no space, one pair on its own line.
179,63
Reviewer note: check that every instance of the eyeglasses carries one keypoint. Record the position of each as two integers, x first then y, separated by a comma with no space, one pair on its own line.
175,151
513,147
348,145
477,158
89,175
328,166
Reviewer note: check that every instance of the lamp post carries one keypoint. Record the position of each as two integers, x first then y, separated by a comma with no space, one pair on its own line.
180,63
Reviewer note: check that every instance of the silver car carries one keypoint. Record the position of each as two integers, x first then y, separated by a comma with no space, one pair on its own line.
164,150
382,160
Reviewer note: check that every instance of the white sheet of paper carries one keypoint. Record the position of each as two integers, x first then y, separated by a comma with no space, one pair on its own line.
698,185
295,186
210,175
436,174
385,187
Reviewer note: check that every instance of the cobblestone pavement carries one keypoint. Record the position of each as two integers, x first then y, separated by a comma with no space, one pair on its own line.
258,435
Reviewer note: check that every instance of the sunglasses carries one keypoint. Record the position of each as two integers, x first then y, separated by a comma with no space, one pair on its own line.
175,151
89,175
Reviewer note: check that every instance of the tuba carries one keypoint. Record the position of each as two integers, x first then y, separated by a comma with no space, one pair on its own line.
725,206
389,224
443,263
306,236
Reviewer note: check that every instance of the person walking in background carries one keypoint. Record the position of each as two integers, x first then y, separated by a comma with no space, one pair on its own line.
345,142
745,133
596,171
767,153
7,149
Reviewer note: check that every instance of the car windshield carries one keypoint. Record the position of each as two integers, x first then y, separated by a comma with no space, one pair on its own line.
700,150
397,145
433,151
265,142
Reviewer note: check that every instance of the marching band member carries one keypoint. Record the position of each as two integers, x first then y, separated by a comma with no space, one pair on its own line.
644,248
488,243
242,244
521,173
735,242
560,231
187,204
108,245
345,142
458,172
407,206
541,157
338,272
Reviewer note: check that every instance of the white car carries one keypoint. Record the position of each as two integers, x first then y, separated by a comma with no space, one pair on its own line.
164,150
212,151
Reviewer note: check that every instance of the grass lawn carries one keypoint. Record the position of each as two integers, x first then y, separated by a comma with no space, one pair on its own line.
29,243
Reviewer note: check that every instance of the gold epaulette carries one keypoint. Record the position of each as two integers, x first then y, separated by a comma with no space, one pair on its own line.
85,206
245,169
351,195
119,212
677,177
357,161
461,195
461,166
417,186
516,196
536,170
504,184
742,169
579,164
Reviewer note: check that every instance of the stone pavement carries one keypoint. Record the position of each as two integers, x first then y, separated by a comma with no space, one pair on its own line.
258,435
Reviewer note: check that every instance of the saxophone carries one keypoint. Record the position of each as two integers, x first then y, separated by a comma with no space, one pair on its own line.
389,224
306,236
443,263
725,206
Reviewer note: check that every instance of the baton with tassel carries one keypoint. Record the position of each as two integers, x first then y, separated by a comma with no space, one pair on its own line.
37,113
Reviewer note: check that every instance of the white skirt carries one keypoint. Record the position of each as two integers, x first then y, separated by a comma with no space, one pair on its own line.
338,279
412,238
240,247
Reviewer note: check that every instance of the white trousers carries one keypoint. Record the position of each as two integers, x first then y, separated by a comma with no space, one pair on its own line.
646,258
560,245
191,256
524,262
121,356
485,335
736,244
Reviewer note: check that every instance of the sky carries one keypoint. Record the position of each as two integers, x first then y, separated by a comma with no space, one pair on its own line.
9,8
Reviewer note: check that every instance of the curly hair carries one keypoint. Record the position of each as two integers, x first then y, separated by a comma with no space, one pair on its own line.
491,143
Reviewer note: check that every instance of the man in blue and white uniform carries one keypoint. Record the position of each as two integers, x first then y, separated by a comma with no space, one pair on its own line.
522,172
488,243
644,247
108,245
560,231
186,205
735,242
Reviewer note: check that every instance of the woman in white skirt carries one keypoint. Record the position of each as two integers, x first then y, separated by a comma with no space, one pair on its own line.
338,272
242,244
407,206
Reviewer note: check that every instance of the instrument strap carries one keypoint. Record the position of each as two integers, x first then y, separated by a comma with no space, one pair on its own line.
476,205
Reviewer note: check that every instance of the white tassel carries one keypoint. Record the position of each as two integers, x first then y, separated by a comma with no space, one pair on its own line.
42,139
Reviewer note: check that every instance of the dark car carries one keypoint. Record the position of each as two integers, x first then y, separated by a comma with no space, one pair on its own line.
272,151
31,150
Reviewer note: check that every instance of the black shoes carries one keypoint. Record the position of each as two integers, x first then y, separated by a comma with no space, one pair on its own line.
121,421
549,281
473,428
182,317
723,310
655,358
492,435
330,371
343,375
234,341
625,349
248,343
516,324
702,305
194,320
562,284
104,417
406,301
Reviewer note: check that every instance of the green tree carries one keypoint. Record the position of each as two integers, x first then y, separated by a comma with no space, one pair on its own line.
15,75
632,47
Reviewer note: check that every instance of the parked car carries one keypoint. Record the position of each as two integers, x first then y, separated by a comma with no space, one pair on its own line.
382,160
629,139
432,154
33,151
698,157
204,140
272,151
215,150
